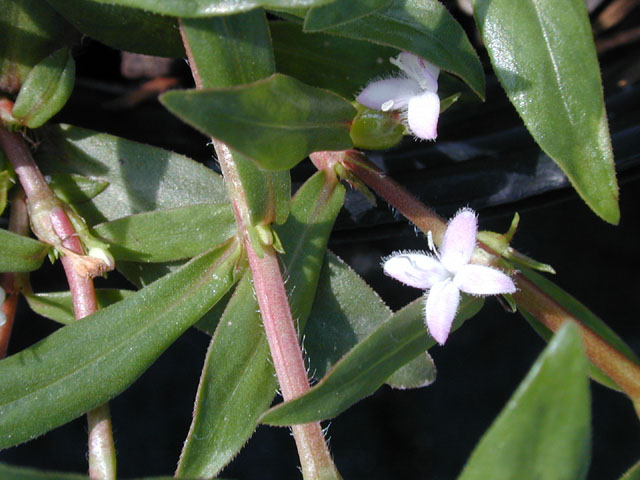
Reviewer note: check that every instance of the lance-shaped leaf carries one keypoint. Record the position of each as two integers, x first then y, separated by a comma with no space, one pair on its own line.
58,306
544,431
19,253
276,122
140,177
547,64
238,382
71,188
366,367
166,235
31,30
340,12
423,27
234,50
343,65
90,361
46,89
123,27
633,473
11,472
231,50
582,313
345,311
208,8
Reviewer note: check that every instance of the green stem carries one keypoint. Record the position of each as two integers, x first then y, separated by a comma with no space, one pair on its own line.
102,458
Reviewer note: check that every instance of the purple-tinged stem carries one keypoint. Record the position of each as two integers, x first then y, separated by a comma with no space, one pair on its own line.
102,458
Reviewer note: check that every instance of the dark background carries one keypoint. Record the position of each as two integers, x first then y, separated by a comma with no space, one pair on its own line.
484,159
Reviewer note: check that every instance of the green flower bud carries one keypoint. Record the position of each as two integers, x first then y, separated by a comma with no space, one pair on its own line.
376,130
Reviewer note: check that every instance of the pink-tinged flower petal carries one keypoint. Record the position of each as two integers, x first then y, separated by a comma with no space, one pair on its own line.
425,73
459,240
422,115
415,269
442,304
481,280
399,90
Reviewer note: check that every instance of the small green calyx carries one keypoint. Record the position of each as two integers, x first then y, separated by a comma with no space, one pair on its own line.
376,130
499,243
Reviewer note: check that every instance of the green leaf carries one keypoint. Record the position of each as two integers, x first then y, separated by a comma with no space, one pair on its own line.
547,64
11,472
345,311
88,362
633,473
231,50
19,253
167,235
143,274
208,8
267,193
544,430
46,89
238,382
71,188
6,182
423,27
276,122
141,178
340,12
31,30
122,27
234,50
582,313
343,65
367,366
58,306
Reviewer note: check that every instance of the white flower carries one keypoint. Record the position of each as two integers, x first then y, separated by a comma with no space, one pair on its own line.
3,318
448,273
413,92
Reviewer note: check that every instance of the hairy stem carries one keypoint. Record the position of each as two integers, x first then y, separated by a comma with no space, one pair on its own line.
102,459
616,365
529,297
280,329
408,205
281,333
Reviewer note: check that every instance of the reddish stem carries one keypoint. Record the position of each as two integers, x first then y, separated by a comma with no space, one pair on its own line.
280,329
11,282
407,204
102,464
611,361
529,297
7,282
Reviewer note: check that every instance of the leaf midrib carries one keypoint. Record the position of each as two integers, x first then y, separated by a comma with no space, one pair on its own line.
202,280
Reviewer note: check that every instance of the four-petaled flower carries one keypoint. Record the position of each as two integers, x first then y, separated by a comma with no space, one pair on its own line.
413,92
447,273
